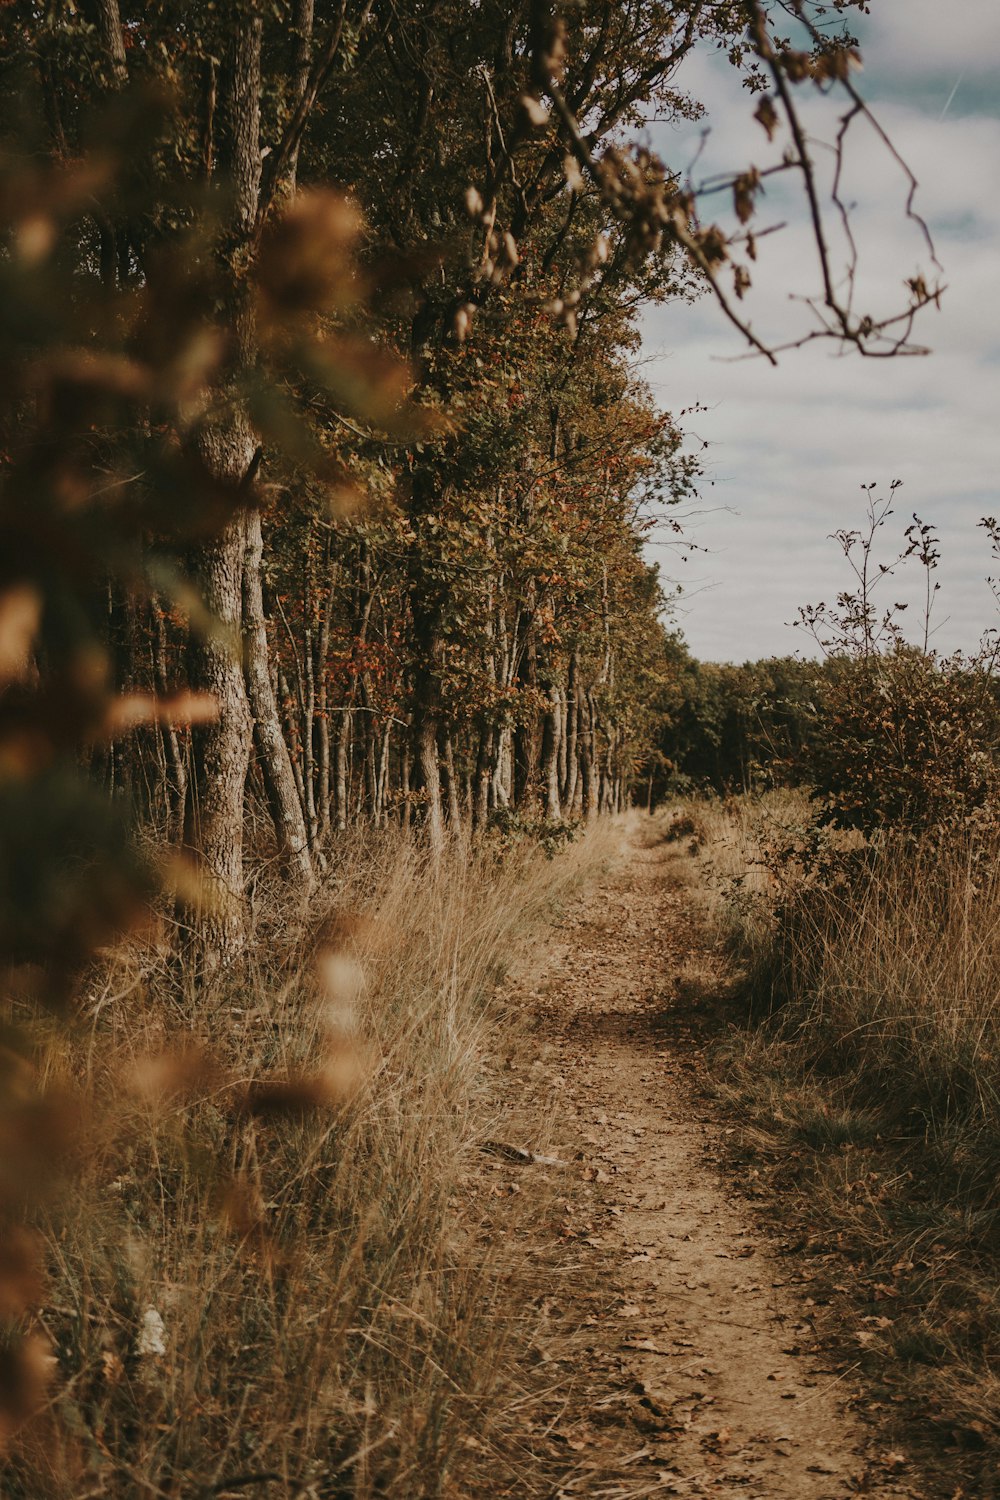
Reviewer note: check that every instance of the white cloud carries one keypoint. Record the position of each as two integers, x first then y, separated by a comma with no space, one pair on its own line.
792,446
923,36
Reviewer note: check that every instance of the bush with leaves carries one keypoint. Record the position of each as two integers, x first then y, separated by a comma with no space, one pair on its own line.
909,740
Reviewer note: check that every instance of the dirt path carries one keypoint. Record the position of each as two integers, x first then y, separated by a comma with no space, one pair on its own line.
697,1368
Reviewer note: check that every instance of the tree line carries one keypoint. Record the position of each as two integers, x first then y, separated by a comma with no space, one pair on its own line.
327,466
891,736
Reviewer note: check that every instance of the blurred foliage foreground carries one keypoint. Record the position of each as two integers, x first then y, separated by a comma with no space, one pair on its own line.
103,388
200,1292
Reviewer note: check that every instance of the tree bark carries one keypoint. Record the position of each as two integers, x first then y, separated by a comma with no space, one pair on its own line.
304,21
340,773
426,739
227,447
454,789
484,771
177,784
550,758
525,736
370,767
569,791
213,826
309,698
293,725
323,695
383,777
503,780
426,708
109,23
562,763
588,771
272,751
405,769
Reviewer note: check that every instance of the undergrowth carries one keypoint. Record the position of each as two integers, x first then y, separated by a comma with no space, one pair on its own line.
266,1268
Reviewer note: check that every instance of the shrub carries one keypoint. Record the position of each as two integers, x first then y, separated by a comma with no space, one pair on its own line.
909,742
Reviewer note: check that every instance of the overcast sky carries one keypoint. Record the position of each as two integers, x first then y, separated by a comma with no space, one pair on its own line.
790,447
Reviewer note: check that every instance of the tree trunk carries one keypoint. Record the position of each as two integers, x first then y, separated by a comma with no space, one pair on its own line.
499,795
213,826
550,758
427,706
370,767
426,743
405,769
454,790
383,777
340,774
304,21
272,752
177,766
525,740
323,697
572,734
323,789
588,771
227,448
109,23
294,738
309,694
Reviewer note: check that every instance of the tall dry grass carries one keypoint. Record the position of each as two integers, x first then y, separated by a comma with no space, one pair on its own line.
285,1288
865,1065
883,965
896,983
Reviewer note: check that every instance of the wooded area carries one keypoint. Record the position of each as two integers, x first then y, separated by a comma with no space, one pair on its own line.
382,307
326,474
320,360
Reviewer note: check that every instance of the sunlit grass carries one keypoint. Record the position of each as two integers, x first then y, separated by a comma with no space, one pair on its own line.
302,1292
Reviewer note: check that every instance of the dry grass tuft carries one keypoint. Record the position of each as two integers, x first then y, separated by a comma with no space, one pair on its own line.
267,1272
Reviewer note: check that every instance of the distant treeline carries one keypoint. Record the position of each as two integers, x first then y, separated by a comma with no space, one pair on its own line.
733,728
884,727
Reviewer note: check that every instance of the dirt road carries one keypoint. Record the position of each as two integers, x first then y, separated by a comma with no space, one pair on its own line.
696,1366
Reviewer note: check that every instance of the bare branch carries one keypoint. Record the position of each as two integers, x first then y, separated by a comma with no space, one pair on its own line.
657,212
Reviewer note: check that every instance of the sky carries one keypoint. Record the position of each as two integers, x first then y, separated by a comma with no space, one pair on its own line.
790,448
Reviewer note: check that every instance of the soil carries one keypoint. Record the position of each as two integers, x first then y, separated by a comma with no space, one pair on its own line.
685,1356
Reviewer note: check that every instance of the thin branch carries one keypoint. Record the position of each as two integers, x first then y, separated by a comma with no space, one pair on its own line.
280,158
